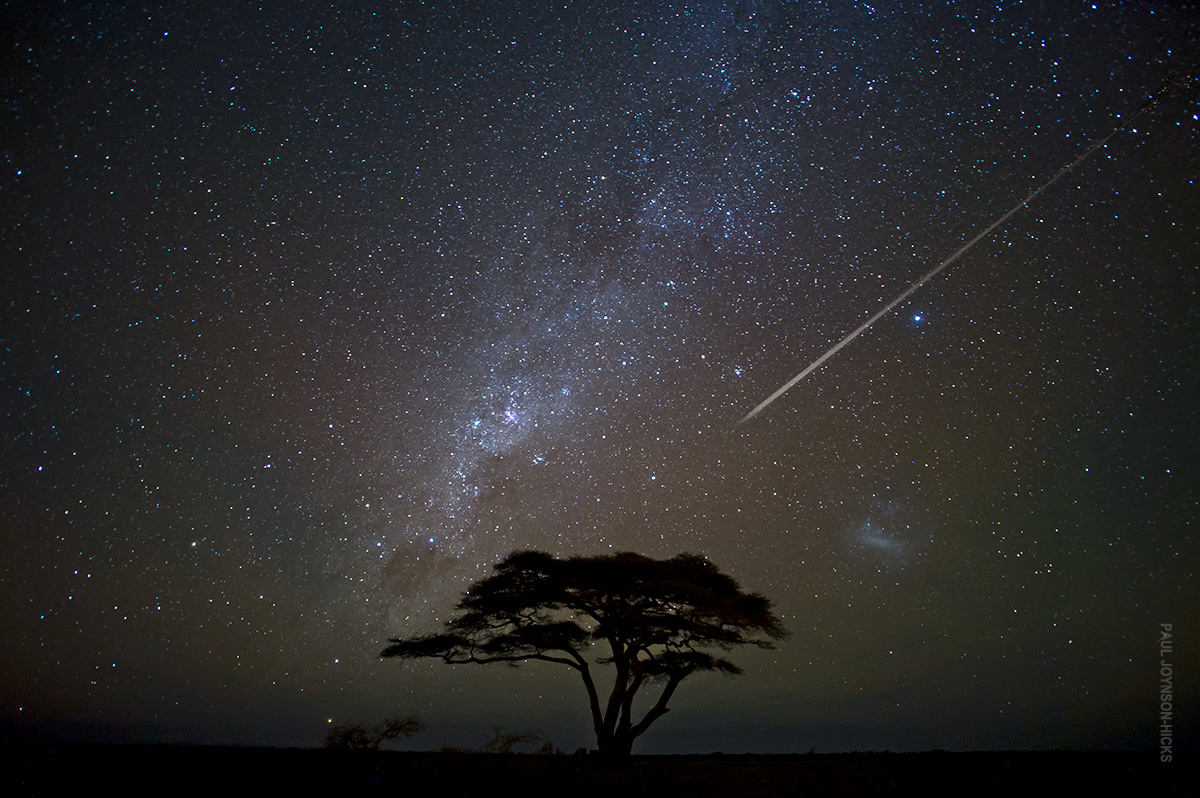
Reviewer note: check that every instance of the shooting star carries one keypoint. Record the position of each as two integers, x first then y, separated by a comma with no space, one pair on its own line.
1175,82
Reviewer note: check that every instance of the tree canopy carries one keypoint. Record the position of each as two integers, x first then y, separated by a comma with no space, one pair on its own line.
655,621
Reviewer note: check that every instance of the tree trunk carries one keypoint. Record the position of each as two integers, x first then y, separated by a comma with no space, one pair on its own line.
616,746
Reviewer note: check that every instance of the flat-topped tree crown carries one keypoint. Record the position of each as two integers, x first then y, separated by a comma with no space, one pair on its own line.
655,620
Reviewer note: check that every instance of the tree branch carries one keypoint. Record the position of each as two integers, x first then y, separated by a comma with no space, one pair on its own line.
660,707
620,683
627,702
450,659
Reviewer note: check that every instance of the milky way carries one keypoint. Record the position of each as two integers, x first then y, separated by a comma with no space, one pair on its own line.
313,314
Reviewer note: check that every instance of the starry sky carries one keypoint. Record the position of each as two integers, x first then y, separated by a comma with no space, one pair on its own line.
313,312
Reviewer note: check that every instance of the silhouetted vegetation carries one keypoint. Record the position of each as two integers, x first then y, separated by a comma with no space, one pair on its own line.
358,737
530,742
651,618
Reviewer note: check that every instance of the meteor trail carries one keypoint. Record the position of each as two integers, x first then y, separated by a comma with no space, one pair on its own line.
1154,99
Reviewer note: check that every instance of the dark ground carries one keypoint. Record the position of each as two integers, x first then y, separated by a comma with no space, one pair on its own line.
134,770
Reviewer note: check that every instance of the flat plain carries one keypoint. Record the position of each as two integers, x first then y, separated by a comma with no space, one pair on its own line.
201,771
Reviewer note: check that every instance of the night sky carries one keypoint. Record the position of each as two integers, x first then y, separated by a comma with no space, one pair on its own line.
311,313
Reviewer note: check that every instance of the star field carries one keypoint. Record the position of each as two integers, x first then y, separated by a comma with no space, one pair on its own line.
312,314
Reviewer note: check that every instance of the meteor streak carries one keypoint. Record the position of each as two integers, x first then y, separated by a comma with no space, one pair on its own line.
1175,82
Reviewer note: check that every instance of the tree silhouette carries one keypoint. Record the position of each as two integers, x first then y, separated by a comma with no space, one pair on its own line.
533,741
358,737
655,616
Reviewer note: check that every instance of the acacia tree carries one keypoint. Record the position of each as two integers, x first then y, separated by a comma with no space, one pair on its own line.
358,737
649,619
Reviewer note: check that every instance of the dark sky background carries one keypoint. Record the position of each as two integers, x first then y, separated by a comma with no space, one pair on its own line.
312,313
